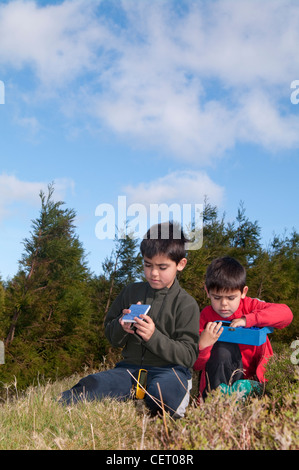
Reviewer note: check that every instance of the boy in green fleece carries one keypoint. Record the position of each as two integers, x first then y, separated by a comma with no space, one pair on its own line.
164,342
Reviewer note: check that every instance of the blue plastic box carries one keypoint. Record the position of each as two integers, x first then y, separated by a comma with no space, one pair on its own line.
254,336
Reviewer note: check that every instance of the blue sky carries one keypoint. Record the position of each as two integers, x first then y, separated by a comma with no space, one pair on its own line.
161,101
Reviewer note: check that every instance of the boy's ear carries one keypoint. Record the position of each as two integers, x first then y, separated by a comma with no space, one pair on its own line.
245,290
206,291
181,264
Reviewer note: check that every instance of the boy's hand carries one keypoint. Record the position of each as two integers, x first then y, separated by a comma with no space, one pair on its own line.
238,322
210,334
145,327
127,327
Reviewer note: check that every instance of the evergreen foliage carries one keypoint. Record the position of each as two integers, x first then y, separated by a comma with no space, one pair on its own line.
47,321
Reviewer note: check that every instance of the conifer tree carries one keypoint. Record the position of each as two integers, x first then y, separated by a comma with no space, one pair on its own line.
215,244
47,302
245,238
122,267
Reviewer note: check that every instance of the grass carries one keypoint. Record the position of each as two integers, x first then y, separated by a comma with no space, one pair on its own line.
34,420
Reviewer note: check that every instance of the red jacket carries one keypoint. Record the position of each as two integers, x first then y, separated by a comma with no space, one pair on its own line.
257,313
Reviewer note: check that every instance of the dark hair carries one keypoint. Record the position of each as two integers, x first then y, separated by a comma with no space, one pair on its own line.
164,238
225,274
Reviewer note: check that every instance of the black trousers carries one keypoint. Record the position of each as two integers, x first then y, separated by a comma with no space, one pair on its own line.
224,366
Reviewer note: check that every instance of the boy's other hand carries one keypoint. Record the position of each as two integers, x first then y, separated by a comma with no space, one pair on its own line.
210,334
145,327
238,322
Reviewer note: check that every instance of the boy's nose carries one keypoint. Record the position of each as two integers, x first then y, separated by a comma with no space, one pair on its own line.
155,272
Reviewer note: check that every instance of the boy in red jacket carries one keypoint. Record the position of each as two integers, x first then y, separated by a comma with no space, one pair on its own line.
224,364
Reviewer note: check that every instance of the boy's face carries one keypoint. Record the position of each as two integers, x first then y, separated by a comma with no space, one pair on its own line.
160,271
225,303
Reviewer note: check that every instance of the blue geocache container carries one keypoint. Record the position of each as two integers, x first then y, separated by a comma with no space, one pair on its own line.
254,336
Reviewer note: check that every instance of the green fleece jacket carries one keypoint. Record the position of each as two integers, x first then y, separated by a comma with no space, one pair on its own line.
176,317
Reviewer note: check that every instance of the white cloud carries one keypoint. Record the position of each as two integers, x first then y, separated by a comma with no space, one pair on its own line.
263,124
240,43
13,190
58,41
193,83
180,187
